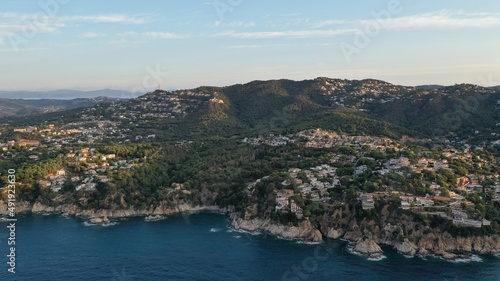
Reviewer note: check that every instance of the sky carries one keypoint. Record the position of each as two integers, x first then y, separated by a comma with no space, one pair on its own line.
176,44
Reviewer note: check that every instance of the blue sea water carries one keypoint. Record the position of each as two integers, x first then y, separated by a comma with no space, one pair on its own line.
202,247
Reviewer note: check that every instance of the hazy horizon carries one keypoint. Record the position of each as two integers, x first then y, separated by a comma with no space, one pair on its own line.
94,89
179,44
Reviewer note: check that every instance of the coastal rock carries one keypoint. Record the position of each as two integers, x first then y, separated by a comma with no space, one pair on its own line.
335,233
354,234
423,252
154,218
444,242
304,231
99,220
448,256
40,208
368,247
406,248
21,207
340,224
190,208
428,242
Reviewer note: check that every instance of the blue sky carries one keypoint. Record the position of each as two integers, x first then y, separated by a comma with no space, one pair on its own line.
135,45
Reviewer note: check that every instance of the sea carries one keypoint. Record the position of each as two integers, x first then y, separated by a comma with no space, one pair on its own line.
202,246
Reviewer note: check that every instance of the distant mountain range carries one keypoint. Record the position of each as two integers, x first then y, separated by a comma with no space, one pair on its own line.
25,103
67,94
435,87
26,107
429,87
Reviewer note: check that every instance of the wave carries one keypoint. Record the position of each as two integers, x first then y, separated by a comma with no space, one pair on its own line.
111,223
307,242
237,236
377,257
460,259
214,229
472,258
350,249
247,232
106,224
422,257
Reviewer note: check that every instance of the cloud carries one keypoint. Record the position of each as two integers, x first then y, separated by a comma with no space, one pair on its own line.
162,35
151,35
111,18
25,25
287,34
12,23
93,35
330,23
29,28
103,18
443,19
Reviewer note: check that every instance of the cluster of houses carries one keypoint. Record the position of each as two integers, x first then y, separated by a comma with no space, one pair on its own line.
347,93
376,87
431,205
285,203
460,218
160,105
270,140
315,182
322,138
55,181
96,167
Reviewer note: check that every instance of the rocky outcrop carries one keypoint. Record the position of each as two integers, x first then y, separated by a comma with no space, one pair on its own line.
304,231
102,220
404,233
366,235
353,233
443,243
21,207
333,233
74,210
406,248
368,247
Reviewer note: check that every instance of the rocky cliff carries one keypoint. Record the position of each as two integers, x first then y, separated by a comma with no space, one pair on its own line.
74,210
303,231
403,232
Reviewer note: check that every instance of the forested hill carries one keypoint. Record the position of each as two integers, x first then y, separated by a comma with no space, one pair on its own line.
369,107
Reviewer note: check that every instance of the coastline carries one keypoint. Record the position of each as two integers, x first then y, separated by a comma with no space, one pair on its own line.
442,245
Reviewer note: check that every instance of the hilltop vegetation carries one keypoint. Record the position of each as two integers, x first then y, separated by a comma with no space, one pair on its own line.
291,152
368,107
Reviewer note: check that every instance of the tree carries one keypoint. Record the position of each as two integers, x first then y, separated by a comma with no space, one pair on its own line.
445,192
